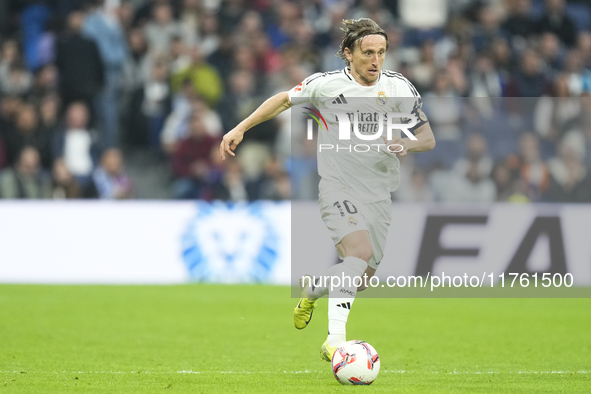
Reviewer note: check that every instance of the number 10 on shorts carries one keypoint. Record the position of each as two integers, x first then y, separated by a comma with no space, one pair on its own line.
351,209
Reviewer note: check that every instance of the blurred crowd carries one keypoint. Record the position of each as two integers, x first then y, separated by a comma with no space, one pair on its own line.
505,84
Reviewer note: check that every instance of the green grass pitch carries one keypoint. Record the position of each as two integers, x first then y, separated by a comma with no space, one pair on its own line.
215,338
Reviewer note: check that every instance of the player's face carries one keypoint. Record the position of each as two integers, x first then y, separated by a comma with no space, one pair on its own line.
367,58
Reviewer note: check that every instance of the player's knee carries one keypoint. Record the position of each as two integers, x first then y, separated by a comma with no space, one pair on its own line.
363,252
365,280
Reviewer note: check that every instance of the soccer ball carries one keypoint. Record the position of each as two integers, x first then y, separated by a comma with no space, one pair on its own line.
355,363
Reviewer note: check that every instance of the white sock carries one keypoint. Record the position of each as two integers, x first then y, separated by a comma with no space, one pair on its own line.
319,287
321,284
340,298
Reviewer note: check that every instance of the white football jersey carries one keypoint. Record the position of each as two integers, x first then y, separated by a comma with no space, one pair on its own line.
369,175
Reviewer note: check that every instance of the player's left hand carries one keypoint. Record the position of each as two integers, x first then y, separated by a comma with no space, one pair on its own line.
397,145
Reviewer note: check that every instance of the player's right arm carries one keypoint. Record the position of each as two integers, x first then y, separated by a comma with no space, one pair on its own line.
300,94
267,110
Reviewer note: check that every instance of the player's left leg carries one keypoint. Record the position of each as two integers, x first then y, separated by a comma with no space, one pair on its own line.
368,249
302,313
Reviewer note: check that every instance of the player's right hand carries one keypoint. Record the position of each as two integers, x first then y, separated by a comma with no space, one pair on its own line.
230,142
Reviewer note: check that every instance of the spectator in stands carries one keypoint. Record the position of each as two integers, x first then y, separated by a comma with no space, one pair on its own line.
135,74
110,179
76,144
417,190
270,184
425,15
586,133
49,109
64,185
176,125
303,44
179,57
570,181
156,105
584,45
283,28
457,70
221,58
14,77
9,106
550,52
3,152
244,59
268,58
423,73
103,26
534,176
375,10
9,55
239,101
80,66
519,24
161,30
557,114
18,81
394,54
504,180
303,169
209,33
471,186
205,79
26,180
574,71
236,105
190,20
485,80
487,29
281,187
445,112
231,14
46,80
28,132
528,81
555,20
230,184
476,155
501,56
251,26
191,162
125,13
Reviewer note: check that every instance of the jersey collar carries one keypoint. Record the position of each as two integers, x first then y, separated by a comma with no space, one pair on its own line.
347,72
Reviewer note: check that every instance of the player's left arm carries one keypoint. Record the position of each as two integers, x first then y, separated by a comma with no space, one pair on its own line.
425,141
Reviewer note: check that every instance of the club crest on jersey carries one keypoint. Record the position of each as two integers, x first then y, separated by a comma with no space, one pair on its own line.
352,222
382,99
422,115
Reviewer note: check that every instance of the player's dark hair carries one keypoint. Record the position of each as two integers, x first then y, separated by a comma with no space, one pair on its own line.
356,29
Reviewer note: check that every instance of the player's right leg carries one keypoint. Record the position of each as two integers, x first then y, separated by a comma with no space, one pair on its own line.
356,249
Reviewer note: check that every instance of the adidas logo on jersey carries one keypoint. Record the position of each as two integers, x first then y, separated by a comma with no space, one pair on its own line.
346,305
340,100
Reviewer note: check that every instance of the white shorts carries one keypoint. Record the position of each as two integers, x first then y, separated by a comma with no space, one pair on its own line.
343,214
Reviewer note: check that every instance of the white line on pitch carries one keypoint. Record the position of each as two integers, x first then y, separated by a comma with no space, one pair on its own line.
304,371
